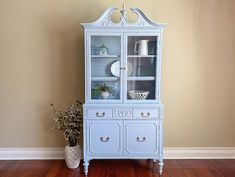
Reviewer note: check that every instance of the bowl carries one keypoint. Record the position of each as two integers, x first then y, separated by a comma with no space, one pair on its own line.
138,94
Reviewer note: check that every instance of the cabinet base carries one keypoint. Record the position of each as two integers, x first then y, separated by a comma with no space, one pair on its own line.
87,162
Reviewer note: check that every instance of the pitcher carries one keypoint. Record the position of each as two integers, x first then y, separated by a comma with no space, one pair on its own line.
141,47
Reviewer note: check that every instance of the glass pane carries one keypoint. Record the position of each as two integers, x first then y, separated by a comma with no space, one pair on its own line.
142,45
114,93
141,90
141,67
105,67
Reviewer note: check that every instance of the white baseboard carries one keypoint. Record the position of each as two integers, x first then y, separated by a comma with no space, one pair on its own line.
31,153
169,153
199,153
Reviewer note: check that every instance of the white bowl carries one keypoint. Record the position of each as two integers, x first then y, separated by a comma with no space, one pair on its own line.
138,94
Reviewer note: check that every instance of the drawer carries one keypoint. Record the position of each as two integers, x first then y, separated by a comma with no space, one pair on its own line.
104,137
141,137
99,113
146,113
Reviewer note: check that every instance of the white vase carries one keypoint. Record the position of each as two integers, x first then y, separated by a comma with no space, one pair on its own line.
72,156
105,94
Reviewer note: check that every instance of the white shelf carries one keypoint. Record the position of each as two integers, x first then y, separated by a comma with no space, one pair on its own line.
104,78
141,56
141,78
104,56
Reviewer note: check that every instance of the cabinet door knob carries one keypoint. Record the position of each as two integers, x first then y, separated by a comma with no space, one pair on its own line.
100,114
102,139
147,115
141,139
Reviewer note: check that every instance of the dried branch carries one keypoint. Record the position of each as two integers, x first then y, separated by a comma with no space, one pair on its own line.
69,120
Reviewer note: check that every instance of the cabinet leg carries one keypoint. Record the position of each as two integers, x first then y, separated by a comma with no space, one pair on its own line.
154,160
85,165
160,167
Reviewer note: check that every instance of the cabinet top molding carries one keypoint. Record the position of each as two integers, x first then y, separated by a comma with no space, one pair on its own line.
105,20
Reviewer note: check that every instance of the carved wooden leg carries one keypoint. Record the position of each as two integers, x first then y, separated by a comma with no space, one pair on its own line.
160,167
154,160
85,165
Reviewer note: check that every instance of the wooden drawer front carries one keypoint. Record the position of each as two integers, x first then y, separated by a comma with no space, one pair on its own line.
99,113
146,113
141,137
104,137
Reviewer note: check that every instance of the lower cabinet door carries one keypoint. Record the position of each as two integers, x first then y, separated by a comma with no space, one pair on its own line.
104,137
141,137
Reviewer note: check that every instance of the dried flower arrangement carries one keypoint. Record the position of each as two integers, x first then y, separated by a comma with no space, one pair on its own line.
69,120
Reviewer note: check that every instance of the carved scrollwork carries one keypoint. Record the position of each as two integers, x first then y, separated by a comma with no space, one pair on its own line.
105,19
123,113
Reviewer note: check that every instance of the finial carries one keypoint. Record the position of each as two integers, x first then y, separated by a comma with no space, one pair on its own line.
123,6
123,12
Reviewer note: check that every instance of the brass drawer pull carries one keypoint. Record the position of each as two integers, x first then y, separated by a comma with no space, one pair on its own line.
100,114
141,139
102,139
142,114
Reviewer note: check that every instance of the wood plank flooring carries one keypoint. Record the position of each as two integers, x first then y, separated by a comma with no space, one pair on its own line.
119,168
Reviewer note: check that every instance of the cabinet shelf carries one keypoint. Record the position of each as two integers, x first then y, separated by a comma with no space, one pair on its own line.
104,78
141,56
141,78
105,56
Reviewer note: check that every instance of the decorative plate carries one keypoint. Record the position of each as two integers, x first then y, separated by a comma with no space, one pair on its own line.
115,68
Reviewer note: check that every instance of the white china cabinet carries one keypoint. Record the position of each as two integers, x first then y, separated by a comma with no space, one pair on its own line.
123,112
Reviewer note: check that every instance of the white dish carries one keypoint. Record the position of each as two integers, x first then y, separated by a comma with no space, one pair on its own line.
129,69
115,68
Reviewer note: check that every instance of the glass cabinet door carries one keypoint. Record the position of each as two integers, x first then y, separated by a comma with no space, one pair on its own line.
105,63
141,62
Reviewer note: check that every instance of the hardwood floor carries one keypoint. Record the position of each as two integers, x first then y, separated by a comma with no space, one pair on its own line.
119,168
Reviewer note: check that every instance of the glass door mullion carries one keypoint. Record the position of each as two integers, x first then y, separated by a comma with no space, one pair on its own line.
125,42
121,71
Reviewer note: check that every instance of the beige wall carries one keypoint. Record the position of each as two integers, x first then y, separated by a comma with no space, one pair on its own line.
41,61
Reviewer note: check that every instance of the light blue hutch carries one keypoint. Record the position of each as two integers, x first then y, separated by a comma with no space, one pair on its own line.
123,112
